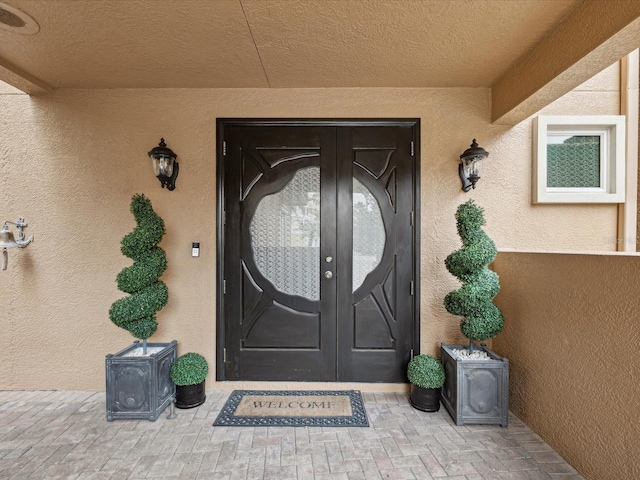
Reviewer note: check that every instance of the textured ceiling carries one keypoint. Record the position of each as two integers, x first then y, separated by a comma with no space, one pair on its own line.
276,43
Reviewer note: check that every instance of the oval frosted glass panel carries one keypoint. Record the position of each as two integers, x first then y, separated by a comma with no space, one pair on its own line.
285,236
368,233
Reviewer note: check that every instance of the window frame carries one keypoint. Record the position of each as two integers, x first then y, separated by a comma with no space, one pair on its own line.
610,129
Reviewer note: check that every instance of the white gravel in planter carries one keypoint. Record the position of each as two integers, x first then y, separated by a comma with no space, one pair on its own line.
464,354
138,352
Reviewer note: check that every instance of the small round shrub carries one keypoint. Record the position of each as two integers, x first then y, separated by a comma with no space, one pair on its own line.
189,369
425,371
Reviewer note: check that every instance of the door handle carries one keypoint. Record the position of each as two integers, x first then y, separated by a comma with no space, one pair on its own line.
328,274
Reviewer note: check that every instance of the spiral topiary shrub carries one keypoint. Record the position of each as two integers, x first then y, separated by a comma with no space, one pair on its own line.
474,300
189,369
136,313
425,371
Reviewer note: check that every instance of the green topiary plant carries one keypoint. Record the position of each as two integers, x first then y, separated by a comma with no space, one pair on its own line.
148,294
474,300
425,371
189,369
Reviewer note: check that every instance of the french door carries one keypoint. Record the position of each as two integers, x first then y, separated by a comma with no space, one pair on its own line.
317,250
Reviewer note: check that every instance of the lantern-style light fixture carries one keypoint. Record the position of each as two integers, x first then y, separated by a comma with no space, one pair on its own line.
470,163
8,240
164,165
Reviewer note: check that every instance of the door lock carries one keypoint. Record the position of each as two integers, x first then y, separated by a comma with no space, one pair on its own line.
328,274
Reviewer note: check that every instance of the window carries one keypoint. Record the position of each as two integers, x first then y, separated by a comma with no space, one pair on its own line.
579,159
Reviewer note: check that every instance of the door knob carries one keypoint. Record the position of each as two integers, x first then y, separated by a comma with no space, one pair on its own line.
328,274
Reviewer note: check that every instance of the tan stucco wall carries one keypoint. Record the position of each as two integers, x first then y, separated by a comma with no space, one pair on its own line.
572,339
5,89
72,160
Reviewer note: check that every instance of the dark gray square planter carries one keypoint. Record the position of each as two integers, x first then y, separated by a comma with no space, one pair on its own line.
140,386
475,391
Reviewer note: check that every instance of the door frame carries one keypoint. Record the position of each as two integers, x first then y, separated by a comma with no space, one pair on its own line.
222,123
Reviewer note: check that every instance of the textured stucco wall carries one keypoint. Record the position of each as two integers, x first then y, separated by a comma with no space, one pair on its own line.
572,339
5,89
71,161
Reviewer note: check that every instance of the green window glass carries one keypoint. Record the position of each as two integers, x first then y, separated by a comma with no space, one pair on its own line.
573,162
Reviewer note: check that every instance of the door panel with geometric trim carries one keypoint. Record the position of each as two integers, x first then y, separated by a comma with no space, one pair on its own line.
318,251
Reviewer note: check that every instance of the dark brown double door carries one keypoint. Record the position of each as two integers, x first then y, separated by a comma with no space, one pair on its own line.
317,250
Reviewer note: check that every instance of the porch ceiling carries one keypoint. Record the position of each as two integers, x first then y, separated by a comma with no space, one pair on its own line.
301,43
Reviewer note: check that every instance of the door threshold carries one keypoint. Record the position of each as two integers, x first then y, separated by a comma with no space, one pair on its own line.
363,387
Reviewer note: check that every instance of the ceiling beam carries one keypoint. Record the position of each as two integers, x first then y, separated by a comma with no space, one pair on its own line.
595,35
21,80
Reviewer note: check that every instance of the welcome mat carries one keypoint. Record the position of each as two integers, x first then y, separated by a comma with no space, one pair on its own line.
264,408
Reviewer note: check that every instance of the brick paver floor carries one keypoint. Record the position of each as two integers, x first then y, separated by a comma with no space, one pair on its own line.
65,435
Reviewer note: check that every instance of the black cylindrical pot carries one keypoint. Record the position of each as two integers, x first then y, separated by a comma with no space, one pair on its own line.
425,399
190,396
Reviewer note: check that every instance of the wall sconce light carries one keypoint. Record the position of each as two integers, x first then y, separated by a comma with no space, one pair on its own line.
164,165
469,167
7,240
